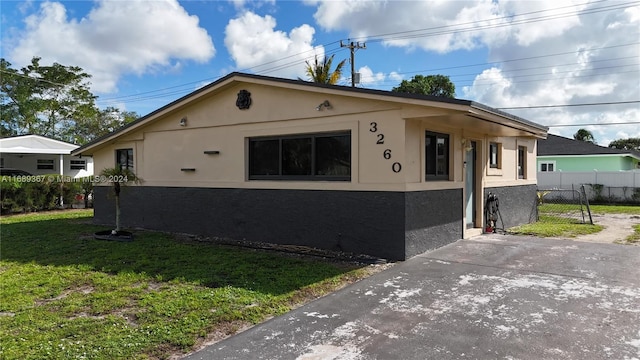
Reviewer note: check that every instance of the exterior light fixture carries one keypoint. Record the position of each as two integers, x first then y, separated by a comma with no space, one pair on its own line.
183,121
325,105
466,144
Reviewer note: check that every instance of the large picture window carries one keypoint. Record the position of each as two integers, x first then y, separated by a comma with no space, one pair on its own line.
124,159
323,156
437,156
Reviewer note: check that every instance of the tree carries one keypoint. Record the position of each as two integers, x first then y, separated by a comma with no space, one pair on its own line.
584,135
320,72
626,144
434,85
52,101
118,177
104,122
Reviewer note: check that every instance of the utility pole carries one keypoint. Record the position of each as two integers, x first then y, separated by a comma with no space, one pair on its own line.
353,46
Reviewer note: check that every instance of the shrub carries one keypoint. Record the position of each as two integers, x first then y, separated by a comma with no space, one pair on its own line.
37,193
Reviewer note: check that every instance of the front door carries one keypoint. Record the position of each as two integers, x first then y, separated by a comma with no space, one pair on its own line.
470,184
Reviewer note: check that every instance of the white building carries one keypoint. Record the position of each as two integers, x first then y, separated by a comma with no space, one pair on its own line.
39,155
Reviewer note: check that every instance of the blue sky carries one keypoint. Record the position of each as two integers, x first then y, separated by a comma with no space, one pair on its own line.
524,54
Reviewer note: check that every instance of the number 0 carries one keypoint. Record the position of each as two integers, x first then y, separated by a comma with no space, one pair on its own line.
396,167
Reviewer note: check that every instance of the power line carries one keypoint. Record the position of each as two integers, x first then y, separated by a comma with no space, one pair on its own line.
400,36
596,124
295,62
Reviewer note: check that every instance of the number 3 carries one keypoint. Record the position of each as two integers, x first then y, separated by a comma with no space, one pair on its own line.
374,127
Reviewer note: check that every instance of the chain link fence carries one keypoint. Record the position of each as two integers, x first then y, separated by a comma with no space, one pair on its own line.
600,194
564,206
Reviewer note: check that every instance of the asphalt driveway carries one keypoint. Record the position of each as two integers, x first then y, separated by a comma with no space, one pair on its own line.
491,297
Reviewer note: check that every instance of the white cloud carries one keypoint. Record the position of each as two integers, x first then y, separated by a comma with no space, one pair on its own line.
367,77
253,42
395,77
115,38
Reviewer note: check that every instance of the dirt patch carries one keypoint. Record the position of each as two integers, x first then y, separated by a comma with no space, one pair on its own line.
616,228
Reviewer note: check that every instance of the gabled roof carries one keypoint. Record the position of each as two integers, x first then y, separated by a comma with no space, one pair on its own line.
35,144
555,145
472,108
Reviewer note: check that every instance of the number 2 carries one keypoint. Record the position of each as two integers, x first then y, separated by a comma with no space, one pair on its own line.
380,139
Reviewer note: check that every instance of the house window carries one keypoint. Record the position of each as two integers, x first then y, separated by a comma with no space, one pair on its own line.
547,166
78,165
522,162
495,155
301,157
437,156
45,164
124,159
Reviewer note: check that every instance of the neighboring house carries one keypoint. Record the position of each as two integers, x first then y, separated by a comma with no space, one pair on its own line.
39,155
557,153
293,162
569,164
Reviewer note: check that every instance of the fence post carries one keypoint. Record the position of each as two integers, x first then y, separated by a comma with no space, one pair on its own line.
586,200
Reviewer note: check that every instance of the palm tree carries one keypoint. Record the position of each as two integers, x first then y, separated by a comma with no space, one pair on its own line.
118,177
584,135
320,72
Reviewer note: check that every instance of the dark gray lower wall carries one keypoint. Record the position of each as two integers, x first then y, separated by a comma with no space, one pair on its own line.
517,204
391,225
433,219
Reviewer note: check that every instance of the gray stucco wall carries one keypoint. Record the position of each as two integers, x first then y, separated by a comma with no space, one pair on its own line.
517,204
391,225
433,219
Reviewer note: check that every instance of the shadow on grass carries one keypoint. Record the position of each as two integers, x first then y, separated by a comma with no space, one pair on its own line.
70,242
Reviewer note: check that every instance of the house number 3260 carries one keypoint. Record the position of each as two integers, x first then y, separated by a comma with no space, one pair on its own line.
386,154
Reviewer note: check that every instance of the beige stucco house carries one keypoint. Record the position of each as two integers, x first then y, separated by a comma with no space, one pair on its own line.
292,162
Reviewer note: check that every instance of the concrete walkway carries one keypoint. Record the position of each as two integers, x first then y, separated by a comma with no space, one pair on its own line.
491,297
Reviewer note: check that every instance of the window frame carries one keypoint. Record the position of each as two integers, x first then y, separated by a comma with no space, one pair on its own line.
436,177
130,163
547,163
45,164
521,162
77,164
313,157
495,148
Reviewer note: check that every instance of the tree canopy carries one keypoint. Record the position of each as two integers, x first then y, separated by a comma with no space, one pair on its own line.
626,144
53,101
320,72
584,135
435,85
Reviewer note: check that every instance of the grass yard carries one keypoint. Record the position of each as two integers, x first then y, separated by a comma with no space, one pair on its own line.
633,238
65,295
551,225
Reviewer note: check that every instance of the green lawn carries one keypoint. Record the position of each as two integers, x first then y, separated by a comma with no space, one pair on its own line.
551,225
65,295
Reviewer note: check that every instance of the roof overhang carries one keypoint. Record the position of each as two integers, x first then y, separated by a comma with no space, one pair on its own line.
35,144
